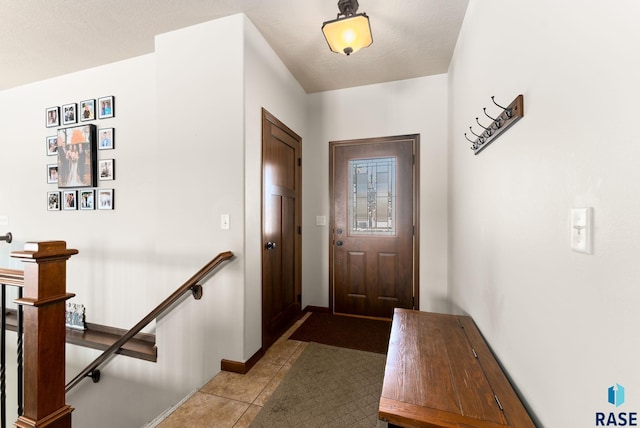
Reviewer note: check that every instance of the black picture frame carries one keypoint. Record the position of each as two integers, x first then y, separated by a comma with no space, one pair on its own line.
69,114
105,199
52,173
52,117
106,138
106,107
77,156
53,201
86,199
106,169
87,110
51,144
69,200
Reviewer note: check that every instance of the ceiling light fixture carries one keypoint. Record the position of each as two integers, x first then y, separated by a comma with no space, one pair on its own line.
349,32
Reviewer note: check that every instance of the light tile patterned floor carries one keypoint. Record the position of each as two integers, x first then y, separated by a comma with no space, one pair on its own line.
232,400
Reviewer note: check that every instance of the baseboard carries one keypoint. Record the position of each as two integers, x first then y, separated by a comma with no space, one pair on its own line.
243,368
239,367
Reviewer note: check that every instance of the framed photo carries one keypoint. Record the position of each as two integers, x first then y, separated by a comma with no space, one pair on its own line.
69,114
52,145
52,173
70,200
106,107
105,199
77,156
87,110
106,169
53,201
106,138
52,117
87,199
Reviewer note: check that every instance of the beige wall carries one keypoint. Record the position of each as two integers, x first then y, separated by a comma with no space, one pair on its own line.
562,323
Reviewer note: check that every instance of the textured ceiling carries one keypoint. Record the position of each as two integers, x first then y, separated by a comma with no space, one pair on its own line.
40,39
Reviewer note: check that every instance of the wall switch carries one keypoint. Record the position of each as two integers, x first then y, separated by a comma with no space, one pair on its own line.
224,222
321,220
582,229
4,220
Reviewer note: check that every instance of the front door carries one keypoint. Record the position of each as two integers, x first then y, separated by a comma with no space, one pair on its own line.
281,223
373,245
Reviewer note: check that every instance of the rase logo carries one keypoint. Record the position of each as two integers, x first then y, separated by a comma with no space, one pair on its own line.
615,397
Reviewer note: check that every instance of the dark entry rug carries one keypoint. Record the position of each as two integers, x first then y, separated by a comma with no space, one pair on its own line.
327,387
345,332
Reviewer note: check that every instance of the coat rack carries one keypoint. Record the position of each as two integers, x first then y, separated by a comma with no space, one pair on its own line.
509,115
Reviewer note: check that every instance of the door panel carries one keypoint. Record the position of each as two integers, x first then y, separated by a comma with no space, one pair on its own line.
372,236
281,250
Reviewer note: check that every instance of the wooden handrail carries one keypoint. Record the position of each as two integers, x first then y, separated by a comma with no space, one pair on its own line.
191,285
12,277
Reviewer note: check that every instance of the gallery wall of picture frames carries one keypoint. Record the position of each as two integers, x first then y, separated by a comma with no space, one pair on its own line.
79,149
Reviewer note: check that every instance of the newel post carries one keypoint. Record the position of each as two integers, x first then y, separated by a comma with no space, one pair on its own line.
44,296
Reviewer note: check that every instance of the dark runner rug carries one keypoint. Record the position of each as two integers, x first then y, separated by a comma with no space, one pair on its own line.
346,332
327,387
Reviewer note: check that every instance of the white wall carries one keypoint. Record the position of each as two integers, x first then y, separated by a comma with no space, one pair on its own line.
182,140
395,108
562,323
269,85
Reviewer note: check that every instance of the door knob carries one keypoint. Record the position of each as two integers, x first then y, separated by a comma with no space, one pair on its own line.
270,245
339,243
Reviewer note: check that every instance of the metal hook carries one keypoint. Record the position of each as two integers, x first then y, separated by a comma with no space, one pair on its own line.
506,110
481,125
479,136
492,118
497,122
489,131
494,101
479,141
472,142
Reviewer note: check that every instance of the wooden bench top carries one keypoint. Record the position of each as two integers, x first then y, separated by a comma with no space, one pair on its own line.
441,373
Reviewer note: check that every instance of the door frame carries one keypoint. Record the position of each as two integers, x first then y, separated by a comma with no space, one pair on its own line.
267,120
416,208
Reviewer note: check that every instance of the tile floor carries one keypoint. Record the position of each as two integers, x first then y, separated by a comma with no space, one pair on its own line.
232,400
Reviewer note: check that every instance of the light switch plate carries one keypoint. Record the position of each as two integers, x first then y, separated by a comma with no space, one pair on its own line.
582,230
4,220
224,222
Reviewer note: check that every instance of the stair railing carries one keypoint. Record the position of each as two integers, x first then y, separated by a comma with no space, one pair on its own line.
43,303
13,278
92,370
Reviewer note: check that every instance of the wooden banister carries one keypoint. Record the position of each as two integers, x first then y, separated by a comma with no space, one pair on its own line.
44,292
12,277
191,285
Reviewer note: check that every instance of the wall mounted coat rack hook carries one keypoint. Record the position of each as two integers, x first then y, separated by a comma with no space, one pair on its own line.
496,121
509,115
487,131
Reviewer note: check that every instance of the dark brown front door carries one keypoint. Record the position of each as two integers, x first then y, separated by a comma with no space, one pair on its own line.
281,222
372,226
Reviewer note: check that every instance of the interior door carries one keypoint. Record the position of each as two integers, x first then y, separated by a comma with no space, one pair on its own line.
281,226
373,192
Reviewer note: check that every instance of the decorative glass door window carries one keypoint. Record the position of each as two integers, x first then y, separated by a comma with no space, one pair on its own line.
373,196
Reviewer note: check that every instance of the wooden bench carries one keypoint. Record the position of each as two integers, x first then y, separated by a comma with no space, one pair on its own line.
441,373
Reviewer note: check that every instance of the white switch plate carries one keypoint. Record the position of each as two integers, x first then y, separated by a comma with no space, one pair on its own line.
224,222
321,220
582,229
4,220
